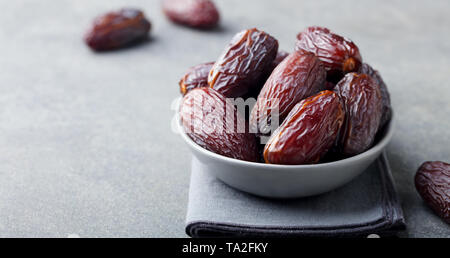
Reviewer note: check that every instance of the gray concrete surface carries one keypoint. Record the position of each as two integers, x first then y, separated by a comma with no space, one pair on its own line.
85,141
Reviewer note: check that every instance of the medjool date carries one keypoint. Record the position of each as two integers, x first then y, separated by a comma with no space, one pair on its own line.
244,61
196,77
308,132
214,124
117,29
385,98
254,92
432,181
193,13
361,97
339,54
299,75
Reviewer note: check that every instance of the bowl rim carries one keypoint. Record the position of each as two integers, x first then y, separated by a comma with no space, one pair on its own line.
369,152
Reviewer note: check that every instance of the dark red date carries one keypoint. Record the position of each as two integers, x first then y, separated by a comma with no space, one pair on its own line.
117,29
385,98
299,75
361,97
193,13
254,92
196,77
339,54
214,124
433,184
243,63
308,132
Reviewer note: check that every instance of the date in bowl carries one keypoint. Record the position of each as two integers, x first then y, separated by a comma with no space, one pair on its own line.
288,181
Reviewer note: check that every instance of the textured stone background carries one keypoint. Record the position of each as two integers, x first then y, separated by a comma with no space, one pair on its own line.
86,146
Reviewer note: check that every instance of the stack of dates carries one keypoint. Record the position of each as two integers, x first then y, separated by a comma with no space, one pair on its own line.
318,103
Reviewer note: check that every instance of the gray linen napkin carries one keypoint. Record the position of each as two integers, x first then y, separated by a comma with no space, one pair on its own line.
367,205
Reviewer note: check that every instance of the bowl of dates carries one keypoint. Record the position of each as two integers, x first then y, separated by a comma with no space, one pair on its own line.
285,125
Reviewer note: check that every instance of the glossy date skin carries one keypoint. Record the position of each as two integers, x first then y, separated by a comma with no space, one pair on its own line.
213,123
254,92
385,98
243,63
308,132
432,181
117,29
201,14
299,75
196,77
339,54
361,98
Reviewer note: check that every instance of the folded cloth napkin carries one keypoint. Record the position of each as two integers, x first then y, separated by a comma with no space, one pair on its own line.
367,205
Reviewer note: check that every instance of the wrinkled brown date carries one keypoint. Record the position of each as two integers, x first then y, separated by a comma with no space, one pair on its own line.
254,92
246,59
214,124
339,54
387,111
196,77
308,132
361,97
433,184
117,29
299,75
193,13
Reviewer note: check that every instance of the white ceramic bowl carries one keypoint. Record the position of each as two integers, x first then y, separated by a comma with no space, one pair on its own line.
287,181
